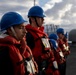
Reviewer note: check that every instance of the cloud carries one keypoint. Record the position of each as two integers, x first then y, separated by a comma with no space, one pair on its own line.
21,6
60,12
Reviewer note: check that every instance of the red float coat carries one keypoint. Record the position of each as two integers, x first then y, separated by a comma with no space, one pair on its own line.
38,51
17,52
63,45
59,55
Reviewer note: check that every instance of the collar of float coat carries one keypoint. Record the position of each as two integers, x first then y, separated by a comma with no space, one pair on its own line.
39,31
9,40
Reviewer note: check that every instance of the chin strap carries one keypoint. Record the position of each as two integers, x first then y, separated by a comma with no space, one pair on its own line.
14,33
36,22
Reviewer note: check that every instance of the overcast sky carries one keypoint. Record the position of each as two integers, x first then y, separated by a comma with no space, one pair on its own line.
59,12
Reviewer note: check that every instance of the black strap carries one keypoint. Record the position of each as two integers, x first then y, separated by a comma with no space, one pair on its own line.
36,21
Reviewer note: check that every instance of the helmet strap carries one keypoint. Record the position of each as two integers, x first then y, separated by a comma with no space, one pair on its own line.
36,21
14,33
29,20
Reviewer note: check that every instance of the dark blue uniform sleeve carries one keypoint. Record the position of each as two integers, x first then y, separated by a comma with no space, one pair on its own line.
6,66
30,40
